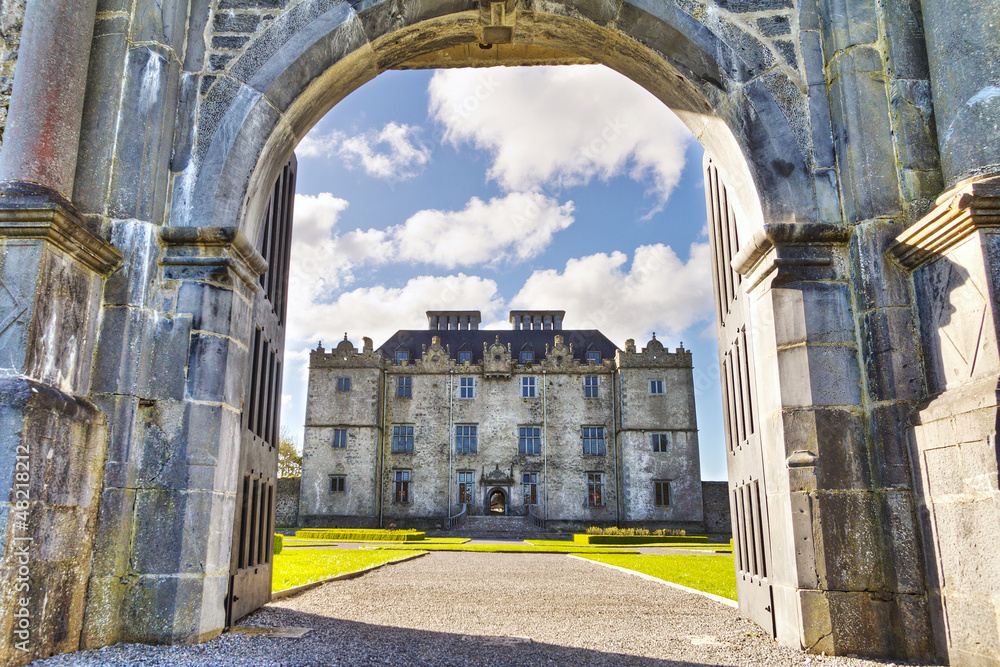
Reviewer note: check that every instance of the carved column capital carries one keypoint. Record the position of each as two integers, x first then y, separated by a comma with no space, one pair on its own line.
34,213
207,250
788,252
957,213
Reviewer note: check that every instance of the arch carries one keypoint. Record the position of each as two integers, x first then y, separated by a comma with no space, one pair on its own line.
742,101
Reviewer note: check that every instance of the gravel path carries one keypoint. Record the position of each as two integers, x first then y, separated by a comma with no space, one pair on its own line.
485,609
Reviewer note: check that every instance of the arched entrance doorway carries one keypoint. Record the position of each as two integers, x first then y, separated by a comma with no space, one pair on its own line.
198,143
497,502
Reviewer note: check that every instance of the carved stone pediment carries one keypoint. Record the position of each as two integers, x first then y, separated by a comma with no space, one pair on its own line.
496,360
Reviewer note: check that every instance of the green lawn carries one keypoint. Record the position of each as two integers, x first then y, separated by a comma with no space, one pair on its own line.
302,566
511,548
710,573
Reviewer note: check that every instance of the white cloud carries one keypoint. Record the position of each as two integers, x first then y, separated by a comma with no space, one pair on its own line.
658,292
393,153
561,126
316,145
402,156
378,312
512,228
516,227
317,264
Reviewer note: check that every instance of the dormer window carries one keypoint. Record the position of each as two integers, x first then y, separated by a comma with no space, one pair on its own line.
527,356
402,356
594,355
465,356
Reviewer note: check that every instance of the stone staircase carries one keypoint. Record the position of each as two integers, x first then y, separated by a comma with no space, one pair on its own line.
496,527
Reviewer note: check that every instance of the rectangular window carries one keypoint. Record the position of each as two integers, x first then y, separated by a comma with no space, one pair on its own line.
595,489
530,483
591,386
466,483
340,438
465,439
343,384
661,489
404,386
527,356
402,356
402,490
593,441
337,483
465,356
594,356
656,386
402,439
527,387
661,442
467,387
529,440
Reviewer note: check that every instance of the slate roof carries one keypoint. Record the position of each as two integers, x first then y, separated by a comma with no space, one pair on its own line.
463,339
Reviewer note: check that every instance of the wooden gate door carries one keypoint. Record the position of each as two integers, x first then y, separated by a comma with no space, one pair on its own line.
747,488
253,527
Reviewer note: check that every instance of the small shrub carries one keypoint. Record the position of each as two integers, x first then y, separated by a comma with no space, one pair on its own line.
278,541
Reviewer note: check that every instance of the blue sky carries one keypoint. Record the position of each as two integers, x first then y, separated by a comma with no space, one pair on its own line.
490,189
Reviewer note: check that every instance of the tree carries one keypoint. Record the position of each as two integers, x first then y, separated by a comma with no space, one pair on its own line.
289,459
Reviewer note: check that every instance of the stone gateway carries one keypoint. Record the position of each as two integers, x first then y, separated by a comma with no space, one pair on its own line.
853,189
538,419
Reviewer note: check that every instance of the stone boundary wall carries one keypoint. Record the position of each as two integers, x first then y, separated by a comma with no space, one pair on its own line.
715,499
286,504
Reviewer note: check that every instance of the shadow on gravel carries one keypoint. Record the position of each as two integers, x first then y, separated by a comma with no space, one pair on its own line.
339,642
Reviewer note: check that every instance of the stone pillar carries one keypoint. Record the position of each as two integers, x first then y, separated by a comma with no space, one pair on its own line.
53,267
963,44
161,571
953,254
42,131
844,576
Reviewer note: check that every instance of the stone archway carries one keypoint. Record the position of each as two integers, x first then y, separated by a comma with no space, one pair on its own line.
132,198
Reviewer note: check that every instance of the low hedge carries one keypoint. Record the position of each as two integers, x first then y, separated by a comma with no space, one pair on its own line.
579,538
361,534
279,540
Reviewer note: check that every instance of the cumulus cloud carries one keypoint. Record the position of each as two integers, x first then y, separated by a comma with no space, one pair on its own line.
513,228
658,292
393,153
561,126
517,227
378,312
317,264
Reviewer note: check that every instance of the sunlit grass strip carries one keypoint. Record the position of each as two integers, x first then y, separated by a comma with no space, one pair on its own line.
613,549
303,566
507,549
713,574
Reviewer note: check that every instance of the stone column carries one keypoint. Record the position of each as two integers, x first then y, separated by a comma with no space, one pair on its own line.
963,44
52,272
161,571
953,254
42,131
843,573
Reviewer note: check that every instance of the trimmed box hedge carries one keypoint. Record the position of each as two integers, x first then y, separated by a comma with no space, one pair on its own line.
361,534
279,541
580,538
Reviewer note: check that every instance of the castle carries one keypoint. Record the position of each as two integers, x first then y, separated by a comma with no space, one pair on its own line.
561,424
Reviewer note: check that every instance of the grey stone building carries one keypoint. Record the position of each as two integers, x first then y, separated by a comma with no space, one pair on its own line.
557,422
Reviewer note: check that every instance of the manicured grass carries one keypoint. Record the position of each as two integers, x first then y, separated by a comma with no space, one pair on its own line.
302,566
710,573
507,549
610,547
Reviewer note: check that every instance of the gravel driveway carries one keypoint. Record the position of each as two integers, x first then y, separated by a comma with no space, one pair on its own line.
485,609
